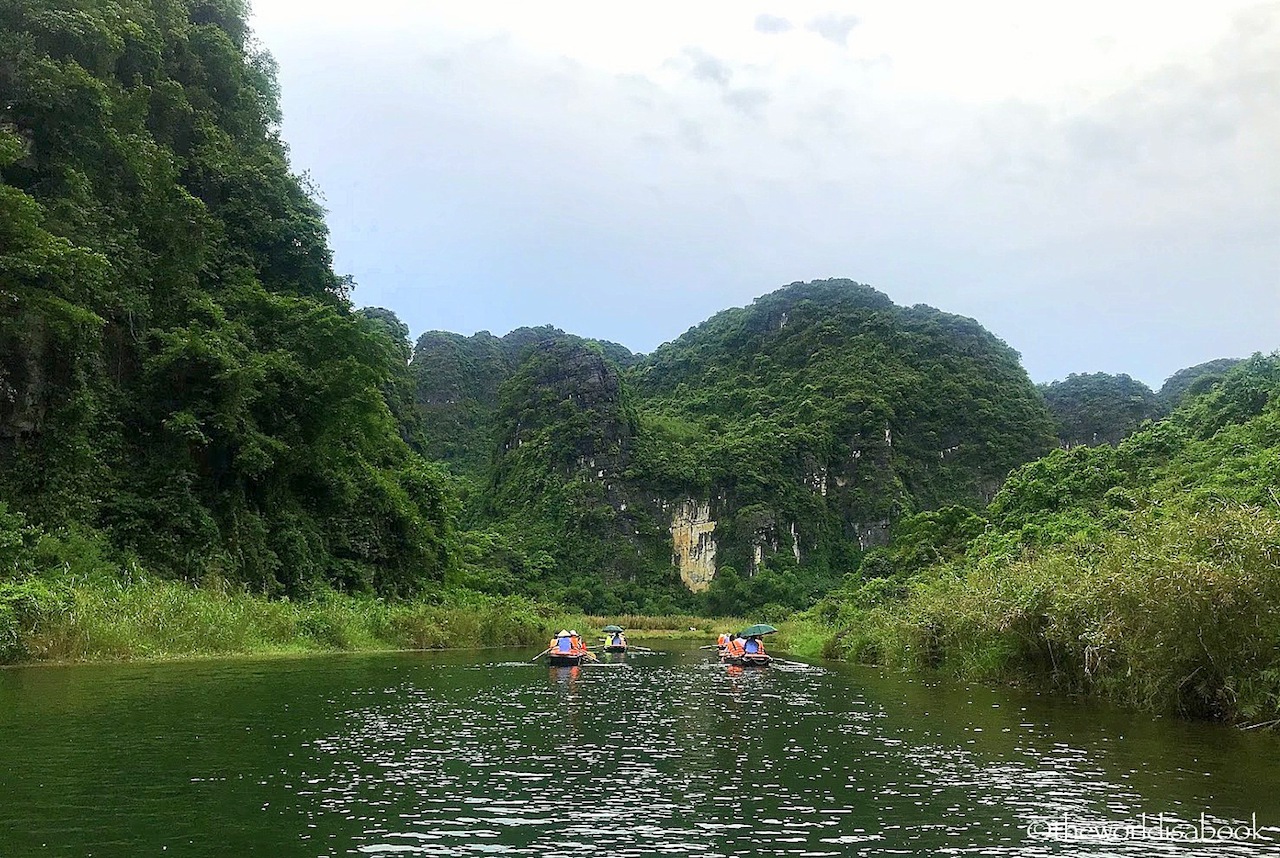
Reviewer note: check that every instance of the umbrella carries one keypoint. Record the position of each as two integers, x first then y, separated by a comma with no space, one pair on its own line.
612,629
757,629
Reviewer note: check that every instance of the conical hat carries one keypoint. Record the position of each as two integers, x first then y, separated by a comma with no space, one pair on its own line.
562,634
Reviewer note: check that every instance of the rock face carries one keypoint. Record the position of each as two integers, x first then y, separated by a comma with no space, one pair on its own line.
693,544
779,440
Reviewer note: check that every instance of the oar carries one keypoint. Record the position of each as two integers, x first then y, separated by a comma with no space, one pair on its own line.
711,646
541,654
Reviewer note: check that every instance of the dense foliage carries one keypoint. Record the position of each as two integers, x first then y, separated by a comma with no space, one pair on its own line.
187,393
1194,380
457,380
1098,408
1148,571
806,423
182,378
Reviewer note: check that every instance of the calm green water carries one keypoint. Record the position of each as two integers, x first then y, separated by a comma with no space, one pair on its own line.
479,754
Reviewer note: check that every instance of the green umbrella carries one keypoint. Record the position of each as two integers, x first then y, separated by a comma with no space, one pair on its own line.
757,629
612,629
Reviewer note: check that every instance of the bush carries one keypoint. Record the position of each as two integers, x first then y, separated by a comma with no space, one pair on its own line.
27,607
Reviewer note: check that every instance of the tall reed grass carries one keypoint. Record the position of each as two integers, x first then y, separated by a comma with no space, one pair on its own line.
106,619
102,618
1176,613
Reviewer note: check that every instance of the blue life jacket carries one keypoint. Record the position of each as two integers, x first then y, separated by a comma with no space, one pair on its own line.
564,644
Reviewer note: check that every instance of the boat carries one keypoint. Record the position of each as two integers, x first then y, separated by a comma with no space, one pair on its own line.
747,660
566,650
570,659
615,630
757,658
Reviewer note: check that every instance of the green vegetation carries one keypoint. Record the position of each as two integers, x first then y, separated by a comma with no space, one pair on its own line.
806,423
181,371
204,447
1147,572
1099,408
1194,380
169,619
457,379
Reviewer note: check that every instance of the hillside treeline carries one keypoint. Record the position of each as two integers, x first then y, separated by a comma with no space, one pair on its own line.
1147,572
184,386
795,431
190,404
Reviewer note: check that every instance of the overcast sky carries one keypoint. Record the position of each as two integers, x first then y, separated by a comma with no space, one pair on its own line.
1098,183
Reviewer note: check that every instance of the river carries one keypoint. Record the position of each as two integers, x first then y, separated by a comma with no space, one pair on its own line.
482,753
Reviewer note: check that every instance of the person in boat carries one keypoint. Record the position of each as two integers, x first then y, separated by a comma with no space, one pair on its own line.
616,639
578,645
722,641
562,643
754,646
733,647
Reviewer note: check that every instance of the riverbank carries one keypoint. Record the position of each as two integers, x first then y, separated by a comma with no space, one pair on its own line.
1174,615
106,620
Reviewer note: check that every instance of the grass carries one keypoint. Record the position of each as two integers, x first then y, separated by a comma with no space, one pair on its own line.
1174,614
105,619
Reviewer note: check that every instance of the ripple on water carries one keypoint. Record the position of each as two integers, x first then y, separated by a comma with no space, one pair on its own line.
684,757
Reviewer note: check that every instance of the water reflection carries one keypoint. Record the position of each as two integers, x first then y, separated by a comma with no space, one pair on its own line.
687,757
458,754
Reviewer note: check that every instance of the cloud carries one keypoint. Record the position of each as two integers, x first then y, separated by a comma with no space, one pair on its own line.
708,68
749,101
833,27
771,24
1082,215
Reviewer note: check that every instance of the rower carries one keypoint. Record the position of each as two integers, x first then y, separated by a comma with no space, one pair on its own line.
754,646
562,643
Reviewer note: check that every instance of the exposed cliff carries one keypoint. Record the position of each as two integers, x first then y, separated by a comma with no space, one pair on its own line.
780,440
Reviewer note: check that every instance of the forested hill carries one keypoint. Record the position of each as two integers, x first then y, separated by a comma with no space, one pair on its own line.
1146,571
183,383
186,390
456,381
1099,408
1195,380
765,449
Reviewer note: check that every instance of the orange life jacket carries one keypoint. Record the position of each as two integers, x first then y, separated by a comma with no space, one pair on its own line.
733,647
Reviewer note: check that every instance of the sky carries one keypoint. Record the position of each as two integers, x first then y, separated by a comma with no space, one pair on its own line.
1098,183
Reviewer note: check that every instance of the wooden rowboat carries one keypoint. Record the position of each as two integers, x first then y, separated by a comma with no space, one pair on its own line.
560,659
748,660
